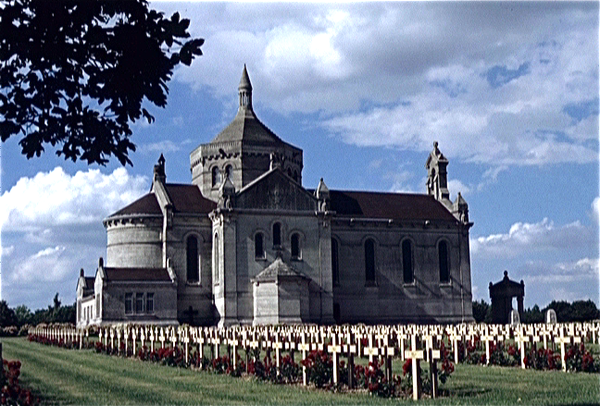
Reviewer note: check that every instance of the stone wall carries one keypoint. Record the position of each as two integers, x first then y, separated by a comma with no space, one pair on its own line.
134,243
390,300
165,302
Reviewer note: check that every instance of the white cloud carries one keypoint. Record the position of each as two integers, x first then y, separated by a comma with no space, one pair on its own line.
401,181
584,269
596,209
56,198
563,280
455,186
49,264
489,81
161,147
532,237
6,251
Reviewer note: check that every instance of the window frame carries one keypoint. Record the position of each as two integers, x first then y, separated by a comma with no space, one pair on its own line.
296,246
216,176
129,299
150,302
262,255
276,232
370,262
407,245
139,303
444,265
192,261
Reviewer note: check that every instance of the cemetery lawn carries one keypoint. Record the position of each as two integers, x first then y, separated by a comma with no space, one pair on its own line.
62,376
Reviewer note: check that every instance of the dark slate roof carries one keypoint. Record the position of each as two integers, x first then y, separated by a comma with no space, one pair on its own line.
185,198
137,274
89,283
146,204
396,206
189,199
248,128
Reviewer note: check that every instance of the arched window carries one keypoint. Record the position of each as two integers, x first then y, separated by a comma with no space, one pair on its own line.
296,177
259,247
216,176
296,252
335,262
408,275
370,262
276,235
229,172
289,172
216,251
193,268
443,257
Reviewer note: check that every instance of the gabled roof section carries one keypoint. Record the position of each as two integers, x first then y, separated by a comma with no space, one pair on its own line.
278,269
146,204
396,206
89,282
274,190
189,199
185,198
137,274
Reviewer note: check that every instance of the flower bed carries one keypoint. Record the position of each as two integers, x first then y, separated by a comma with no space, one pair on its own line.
12,393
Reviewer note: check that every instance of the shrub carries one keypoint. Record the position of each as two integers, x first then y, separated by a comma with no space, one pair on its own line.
319,367
579,359
12,393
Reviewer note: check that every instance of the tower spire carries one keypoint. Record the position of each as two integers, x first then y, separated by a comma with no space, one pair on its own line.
245,91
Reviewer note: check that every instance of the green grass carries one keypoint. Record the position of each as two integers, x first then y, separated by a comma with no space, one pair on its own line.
84,377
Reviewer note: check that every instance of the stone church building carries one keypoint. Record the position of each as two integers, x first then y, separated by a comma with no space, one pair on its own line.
247,243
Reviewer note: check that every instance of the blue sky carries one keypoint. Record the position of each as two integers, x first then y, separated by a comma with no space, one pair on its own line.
509,90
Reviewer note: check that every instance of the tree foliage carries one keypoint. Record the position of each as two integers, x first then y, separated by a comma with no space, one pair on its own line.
578,311
24,315
534,315
482,312
74,74
7,315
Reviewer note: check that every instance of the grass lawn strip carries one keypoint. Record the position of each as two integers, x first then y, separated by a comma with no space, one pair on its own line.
84,377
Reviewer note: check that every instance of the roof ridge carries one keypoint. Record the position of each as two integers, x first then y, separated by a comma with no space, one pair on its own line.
379,192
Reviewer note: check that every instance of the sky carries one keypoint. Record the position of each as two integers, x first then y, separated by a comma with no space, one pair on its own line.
510,91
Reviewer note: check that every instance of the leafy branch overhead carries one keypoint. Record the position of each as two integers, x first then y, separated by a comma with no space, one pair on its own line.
75,74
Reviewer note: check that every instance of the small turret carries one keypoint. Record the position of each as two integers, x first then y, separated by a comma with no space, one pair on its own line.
226,193
159,170
245,91
322,194
437,176
460,209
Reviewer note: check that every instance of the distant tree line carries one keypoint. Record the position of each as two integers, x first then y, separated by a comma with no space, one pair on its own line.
579,310
22,315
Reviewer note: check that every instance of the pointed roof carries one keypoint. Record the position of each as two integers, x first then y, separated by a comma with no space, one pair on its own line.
246,127
277,270
460,201
245,80
322,190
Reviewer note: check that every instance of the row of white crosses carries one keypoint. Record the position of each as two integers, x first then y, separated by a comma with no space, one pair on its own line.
377,343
